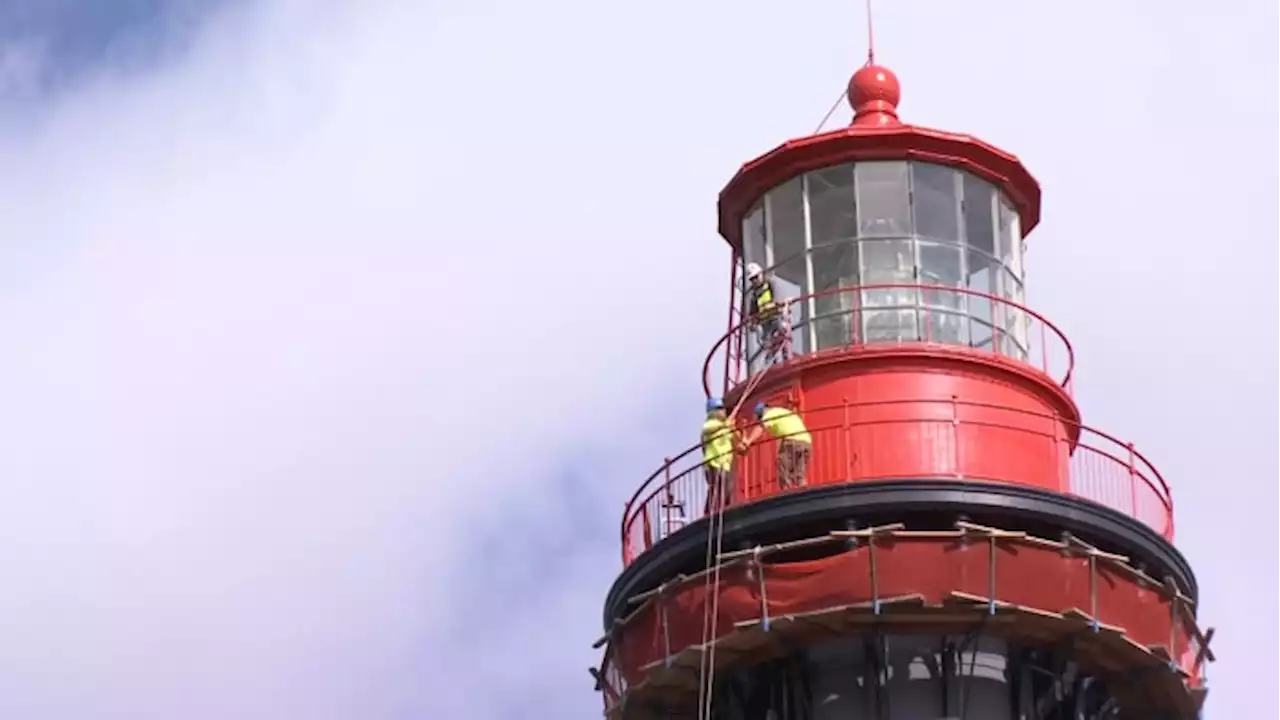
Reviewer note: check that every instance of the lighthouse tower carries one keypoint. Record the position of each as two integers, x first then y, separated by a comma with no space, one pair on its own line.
959,544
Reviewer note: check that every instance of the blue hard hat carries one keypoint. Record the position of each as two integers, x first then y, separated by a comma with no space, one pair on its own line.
759,409
714,403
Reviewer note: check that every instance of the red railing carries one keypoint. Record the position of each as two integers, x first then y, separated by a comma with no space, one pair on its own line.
943,445
843,318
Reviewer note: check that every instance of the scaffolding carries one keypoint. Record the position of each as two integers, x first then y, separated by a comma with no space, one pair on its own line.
1063,662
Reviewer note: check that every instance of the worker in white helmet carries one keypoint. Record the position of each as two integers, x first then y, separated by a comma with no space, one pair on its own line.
765,311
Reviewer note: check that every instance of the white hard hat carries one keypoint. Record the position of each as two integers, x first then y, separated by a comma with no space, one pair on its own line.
754,270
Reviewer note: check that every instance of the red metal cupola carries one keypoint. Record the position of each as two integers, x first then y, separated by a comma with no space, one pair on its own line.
877,133
946,538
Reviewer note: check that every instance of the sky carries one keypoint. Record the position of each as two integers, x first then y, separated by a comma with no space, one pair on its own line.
338,333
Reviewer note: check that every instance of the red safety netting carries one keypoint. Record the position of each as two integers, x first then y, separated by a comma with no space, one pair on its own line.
1036,575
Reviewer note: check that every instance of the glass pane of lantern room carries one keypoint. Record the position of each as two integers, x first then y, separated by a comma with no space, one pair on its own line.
835,277
1014,341
941,274
1011,239
884,211
753,237
833,230
888,262
982,264
784,212
1009,242
883,199
935,202
790,269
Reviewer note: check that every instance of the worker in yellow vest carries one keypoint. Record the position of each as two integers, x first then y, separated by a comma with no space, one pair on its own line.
795,444
766,311
720,441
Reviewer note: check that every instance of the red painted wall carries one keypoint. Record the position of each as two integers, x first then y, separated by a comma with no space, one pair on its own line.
888,417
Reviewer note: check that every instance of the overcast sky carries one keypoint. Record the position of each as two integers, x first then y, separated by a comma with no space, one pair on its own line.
337,334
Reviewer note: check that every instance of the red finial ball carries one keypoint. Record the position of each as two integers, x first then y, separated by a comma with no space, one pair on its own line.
874,93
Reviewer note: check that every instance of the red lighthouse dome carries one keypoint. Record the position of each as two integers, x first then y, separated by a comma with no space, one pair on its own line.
874,93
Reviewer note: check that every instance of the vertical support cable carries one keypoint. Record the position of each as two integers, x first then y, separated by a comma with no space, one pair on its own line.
991,574
810,331
947,670
1044,347
886,669
871,562
729,339
669,497
666,628
648,530
857,334
955,436
1093,589
764,595
1061,463
871,37
846,438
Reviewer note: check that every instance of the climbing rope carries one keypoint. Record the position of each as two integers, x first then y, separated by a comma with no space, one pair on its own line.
711,584
843,94
711,601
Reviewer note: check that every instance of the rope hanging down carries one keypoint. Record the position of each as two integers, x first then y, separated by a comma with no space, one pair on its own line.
711,586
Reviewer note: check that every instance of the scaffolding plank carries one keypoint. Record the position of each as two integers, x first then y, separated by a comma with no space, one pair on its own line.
1080,616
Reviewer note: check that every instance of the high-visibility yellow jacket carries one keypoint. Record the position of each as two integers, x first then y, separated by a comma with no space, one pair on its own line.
717,443
763,304
785,425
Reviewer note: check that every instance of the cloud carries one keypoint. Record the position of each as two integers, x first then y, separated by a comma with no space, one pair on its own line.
307,333
21,65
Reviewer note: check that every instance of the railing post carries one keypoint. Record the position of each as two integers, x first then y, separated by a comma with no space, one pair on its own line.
787,347
955,436
1133,483
665,516
648,529
742,368
1061,465
846,441
733,300
1044,347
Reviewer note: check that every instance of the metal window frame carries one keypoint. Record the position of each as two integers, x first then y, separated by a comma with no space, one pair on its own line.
811,333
